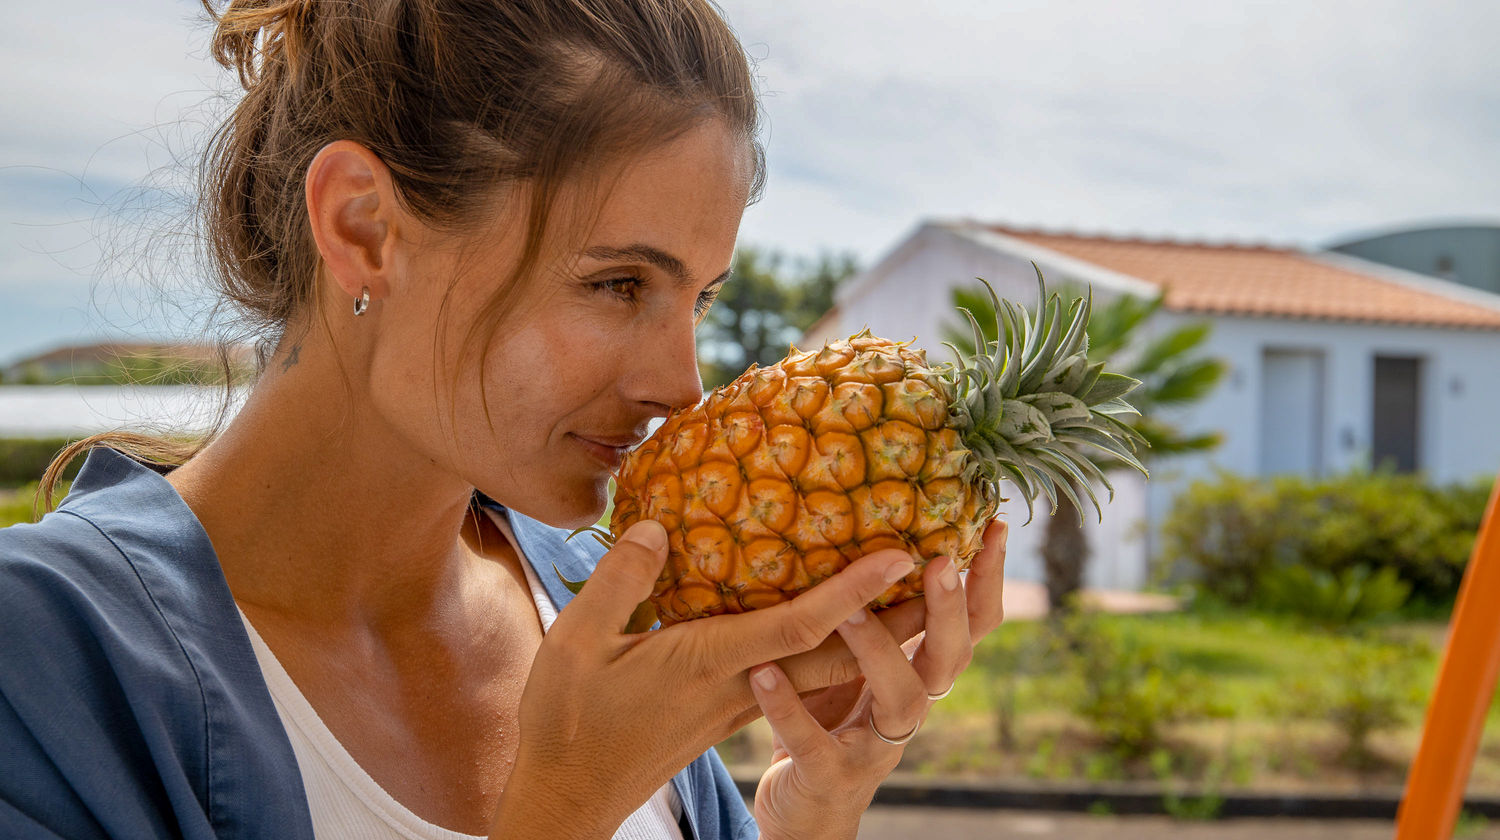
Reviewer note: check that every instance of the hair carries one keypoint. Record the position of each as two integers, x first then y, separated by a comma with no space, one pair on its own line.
459,99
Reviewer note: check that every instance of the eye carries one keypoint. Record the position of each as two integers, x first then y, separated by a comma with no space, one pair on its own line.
706,299
627,289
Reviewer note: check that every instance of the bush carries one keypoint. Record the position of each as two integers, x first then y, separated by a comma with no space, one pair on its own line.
23,460
1010,658
1369,687
1232,534
1126,688
1333,599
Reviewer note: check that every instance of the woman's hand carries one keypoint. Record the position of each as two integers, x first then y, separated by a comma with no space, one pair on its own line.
608,717
833,749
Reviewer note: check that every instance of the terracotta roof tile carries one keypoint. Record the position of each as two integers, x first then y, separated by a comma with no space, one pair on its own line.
1259,280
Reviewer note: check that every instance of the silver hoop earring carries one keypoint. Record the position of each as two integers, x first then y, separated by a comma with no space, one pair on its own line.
362,302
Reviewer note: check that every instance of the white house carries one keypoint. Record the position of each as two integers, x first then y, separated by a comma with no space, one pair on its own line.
1334,362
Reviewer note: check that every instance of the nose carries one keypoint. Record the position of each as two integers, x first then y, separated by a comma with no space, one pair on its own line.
667,369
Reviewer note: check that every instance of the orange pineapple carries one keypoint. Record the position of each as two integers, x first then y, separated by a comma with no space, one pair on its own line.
784,476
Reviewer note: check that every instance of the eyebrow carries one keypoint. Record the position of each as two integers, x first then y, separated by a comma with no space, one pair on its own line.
640,252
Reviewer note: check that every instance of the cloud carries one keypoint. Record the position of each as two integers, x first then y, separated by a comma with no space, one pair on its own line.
1289,121
107,88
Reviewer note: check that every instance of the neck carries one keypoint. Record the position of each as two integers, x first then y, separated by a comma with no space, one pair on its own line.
321,512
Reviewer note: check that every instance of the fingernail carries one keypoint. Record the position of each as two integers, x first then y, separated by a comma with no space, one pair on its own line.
857,617
948,577
765,678
899,571
648,533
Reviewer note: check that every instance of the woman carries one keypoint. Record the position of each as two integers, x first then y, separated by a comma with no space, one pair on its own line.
530,204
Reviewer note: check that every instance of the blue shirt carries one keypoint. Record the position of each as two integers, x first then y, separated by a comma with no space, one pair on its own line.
131,703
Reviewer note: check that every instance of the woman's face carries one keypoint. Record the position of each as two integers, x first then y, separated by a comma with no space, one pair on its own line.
602,343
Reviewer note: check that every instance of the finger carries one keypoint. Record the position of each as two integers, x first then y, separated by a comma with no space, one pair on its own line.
946,649
624,578
906,620
831,663
795,729
805,622
985,584
833,706
898,699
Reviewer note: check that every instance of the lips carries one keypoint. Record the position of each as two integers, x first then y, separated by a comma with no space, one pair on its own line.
608,450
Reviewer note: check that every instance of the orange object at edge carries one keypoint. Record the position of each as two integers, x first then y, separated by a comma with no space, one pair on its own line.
1461,697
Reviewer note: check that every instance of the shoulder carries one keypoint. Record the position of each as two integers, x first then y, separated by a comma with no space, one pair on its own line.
92,682
64,585
130,699
106,578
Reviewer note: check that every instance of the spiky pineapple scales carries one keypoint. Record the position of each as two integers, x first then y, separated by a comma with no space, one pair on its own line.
784,476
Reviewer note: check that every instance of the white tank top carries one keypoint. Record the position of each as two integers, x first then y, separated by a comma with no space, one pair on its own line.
347,804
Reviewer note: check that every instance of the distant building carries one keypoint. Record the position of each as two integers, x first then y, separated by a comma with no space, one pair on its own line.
1334,361
125,361
1464,253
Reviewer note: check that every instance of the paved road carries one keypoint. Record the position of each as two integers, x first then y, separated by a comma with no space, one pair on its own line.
890,823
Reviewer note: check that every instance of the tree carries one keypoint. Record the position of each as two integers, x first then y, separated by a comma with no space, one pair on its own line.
767,304
1172,373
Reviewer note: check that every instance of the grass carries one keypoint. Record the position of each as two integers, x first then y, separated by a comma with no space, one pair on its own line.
15,503
1263,687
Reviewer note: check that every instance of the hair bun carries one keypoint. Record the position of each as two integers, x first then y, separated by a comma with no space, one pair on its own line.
252,35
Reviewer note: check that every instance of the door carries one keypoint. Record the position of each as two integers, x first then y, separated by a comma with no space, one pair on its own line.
1291,412
1397,418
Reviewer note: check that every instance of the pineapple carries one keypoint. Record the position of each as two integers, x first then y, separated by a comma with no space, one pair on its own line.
784,476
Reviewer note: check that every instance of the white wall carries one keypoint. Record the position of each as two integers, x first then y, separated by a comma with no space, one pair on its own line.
1460,399
909,294
1460,392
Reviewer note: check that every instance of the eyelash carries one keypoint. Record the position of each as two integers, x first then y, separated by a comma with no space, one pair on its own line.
632,295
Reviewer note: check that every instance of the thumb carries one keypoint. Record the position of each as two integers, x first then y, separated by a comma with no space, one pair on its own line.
624,577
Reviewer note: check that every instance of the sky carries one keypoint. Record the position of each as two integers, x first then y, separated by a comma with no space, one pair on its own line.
1294,123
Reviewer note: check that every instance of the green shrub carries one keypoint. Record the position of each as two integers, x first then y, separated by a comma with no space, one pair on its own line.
1205,806
1369,687
1126,688
1233,534
1333,598
23,460
1016,655
1224,534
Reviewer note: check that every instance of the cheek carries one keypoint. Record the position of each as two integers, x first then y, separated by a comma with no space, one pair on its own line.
541,378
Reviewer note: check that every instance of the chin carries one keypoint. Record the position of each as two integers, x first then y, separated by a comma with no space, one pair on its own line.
574,508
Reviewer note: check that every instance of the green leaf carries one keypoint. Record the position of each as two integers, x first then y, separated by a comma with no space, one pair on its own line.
1090,378
1023,423
1112,327
1170,346
642,618
1188,383
573,586
1059,407
1110,386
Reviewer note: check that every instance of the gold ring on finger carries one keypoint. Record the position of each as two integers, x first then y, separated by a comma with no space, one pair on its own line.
947,691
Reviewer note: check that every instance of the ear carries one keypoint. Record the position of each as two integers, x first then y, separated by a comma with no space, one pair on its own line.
355,219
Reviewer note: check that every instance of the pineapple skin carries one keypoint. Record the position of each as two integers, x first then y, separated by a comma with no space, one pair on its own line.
786,475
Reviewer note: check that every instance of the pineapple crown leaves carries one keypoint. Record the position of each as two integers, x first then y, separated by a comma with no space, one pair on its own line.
1030,401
